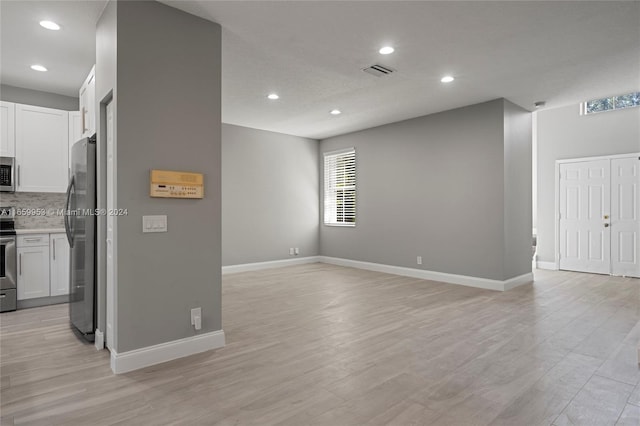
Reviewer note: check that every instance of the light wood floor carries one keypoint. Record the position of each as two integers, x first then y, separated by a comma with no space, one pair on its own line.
325,345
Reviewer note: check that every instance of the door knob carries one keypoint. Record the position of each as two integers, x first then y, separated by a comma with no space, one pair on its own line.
606,225
606,216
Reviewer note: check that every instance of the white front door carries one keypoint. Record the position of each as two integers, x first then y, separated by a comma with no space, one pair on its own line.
599,216
625,216
585,200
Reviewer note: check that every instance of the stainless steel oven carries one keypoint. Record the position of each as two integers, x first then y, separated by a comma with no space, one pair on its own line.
7,174
8,266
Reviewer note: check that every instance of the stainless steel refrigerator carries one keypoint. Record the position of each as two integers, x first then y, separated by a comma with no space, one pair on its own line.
80,225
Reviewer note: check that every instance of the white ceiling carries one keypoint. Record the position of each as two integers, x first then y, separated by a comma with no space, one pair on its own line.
311,53
68,53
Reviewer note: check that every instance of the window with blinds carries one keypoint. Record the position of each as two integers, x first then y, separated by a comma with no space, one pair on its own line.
340,187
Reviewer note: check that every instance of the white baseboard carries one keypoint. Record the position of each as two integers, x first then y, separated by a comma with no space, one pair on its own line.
518,281
432,275
99,340
151,355
547,265
248,267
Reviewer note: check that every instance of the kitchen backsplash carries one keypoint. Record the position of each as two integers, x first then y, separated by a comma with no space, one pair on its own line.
36,210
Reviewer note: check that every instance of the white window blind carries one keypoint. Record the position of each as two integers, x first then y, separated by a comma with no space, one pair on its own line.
340,187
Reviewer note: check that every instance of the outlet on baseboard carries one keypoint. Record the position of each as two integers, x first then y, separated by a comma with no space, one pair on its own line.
196,318
296,251
291,251
419,260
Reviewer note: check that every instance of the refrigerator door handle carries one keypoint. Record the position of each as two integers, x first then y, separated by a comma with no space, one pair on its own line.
67,226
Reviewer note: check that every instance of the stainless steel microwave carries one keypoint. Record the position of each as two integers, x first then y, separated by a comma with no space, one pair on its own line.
7,174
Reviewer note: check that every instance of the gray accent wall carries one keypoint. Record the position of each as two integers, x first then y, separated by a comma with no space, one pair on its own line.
517,202
435,186
269,195
563,134
21,95
168,70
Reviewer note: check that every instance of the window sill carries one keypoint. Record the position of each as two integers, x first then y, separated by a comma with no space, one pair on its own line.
341,225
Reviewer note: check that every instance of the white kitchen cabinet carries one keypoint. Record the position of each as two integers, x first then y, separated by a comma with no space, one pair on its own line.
33,266
59,264
87,97
42,149
75,131
7,129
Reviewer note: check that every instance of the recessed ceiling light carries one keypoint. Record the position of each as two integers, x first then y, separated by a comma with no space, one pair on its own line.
335,112
386,50
38,68
447,79
273,96
50,25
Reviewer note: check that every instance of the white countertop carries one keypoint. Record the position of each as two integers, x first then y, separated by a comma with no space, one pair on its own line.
40,231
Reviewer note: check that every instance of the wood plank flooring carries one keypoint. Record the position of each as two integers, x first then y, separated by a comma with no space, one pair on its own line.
325,345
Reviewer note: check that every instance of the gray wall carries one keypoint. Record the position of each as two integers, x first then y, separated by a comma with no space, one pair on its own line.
168,112
563,133
269,195
517,202
36,97
434,187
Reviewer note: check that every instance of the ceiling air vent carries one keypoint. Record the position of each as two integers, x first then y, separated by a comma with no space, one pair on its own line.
378,70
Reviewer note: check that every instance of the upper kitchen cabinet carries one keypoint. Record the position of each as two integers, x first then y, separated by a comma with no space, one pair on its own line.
7,129
42,147
87,97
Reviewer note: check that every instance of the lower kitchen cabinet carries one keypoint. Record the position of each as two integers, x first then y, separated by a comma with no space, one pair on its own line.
43,266
59,264
33,272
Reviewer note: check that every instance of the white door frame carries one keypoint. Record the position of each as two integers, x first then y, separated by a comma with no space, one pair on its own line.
112,228
557,201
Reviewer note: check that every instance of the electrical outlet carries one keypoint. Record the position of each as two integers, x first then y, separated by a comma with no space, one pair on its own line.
297,251
196,318
419,260
291,252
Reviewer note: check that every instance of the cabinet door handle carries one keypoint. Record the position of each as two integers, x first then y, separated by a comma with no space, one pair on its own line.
54,249
31,240
20,264
18,175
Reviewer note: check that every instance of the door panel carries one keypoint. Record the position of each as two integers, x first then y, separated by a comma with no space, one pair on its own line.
596,248
625,220
584,202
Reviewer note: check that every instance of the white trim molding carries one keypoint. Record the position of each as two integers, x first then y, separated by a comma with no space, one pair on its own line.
551,266
258,266
485,283
600,157
99,340
432,275
151,355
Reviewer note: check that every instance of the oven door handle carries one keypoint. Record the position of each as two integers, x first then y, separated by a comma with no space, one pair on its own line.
67,225
9,260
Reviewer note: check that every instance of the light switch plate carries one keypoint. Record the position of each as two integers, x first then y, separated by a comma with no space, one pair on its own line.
155,223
